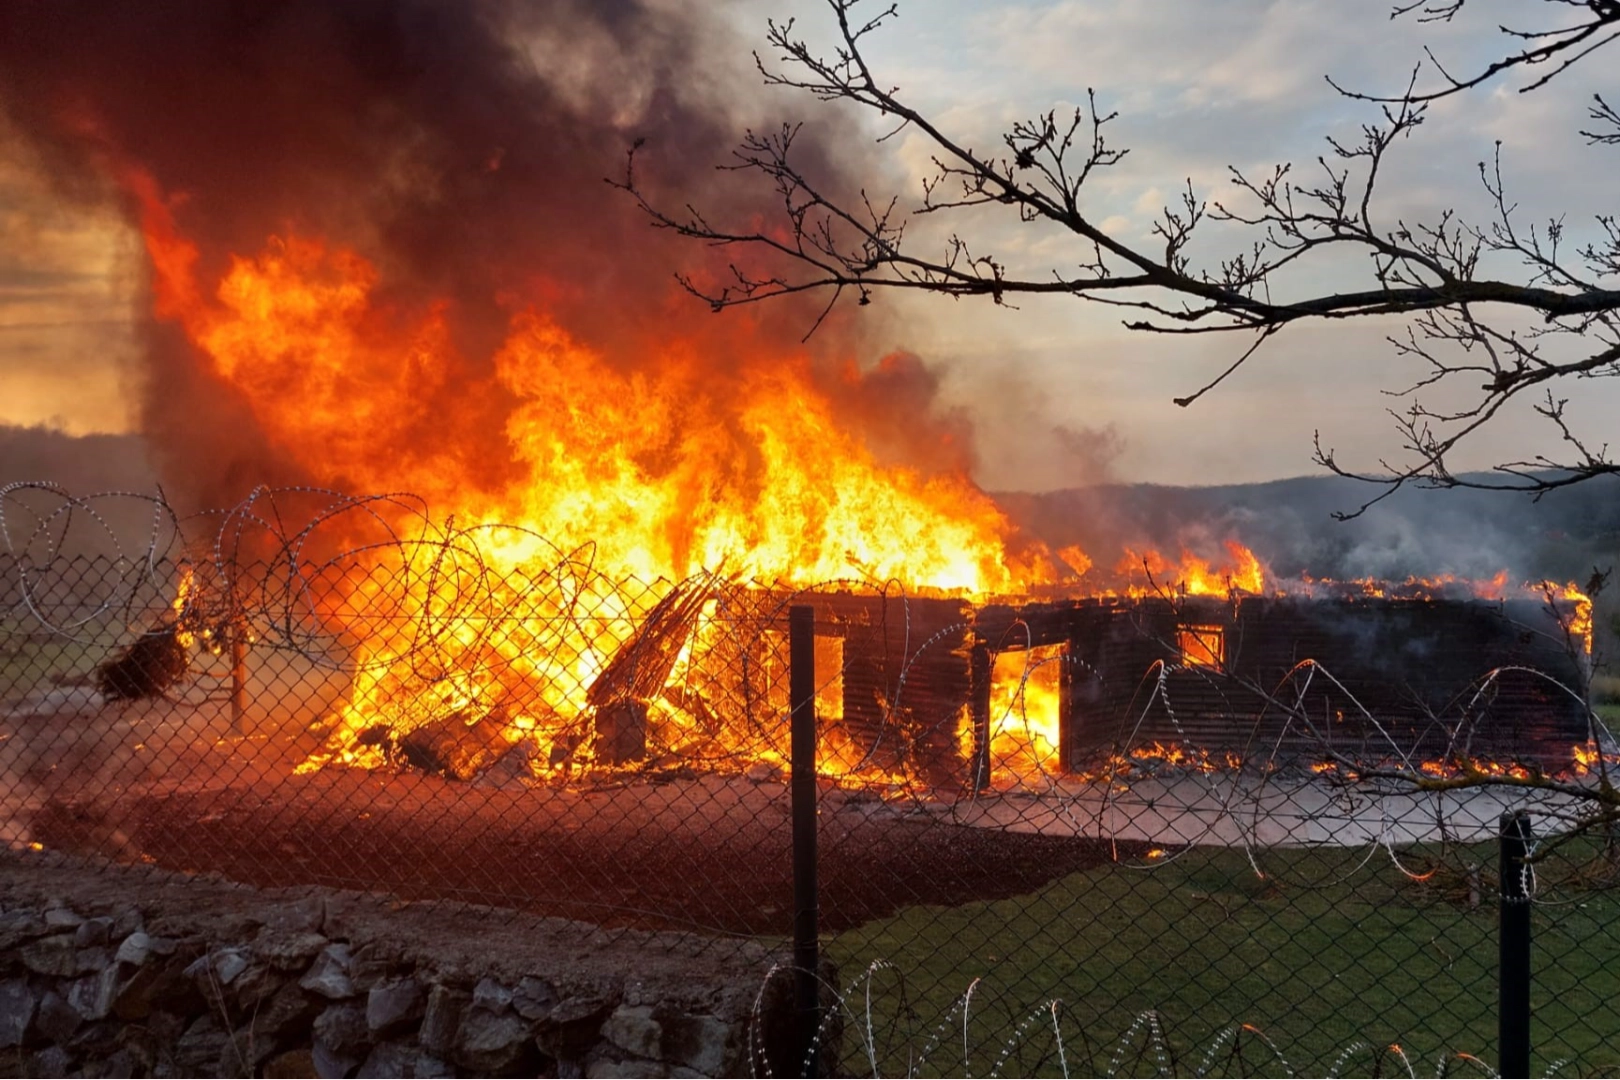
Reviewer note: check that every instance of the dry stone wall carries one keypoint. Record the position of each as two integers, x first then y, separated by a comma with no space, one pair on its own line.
120,974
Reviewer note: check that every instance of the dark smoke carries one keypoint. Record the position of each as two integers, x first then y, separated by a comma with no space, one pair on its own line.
1290,525
86,464
83,465
461,146
895,404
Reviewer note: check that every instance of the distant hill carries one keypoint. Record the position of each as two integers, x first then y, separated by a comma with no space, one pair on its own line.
1288,523
82,463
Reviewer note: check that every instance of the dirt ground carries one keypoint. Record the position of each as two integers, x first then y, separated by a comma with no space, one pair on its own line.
707,853
177,787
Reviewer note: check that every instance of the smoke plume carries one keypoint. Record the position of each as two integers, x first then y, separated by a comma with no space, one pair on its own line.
460,147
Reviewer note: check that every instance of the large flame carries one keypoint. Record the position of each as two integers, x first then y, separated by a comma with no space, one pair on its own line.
665,470
670,468
665,477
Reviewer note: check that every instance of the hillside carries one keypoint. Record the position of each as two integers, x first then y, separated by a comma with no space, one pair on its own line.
1289,523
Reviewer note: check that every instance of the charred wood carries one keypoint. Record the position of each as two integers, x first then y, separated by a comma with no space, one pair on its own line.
147,668
621,732
456,748
643,664
638,672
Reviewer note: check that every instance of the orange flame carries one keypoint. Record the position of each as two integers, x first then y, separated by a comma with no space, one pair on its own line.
1192,575
1025,705
180,606
666,478
1587,760
1579,625
1413,587
666,470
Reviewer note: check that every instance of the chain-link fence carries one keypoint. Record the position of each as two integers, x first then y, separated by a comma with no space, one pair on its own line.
1160,833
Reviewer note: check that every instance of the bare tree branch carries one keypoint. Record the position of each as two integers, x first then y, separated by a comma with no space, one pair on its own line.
1472,330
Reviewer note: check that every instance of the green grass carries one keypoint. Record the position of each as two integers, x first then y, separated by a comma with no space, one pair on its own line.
1317,955
30,659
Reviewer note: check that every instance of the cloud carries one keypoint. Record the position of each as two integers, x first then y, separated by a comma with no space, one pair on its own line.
66,318
1198,84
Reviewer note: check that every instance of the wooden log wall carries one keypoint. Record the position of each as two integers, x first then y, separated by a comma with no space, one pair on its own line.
1389,677
1392,677
906,678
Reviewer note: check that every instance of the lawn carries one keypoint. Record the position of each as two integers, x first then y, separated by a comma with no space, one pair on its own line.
31,658
1330,948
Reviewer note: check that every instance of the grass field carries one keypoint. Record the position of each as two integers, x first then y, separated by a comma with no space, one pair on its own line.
34,661
1609,713
1317,955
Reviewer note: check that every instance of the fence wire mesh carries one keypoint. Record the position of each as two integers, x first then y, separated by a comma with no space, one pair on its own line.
1122,835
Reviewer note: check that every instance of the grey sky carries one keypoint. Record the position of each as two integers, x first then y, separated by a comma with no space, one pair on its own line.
1199,84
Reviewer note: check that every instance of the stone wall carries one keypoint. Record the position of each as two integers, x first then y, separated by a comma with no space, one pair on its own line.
121,973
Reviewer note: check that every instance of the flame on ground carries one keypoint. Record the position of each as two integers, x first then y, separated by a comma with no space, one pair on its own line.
1584,761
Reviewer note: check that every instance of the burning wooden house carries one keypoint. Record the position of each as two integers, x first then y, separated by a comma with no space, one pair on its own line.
958,693
954,694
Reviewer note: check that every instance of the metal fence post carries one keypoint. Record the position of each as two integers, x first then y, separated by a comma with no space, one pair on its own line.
1513,1018
981,667
238,680
806,900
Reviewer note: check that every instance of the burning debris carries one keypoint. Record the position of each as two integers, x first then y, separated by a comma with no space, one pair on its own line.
457,746
566,669
952,695
639,671
147,668
446,334
562,670
160,658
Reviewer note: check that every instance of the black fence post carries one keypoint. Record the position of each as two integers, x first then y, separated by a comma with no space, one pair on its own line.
981,667
238,680
806,899
1513,1019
